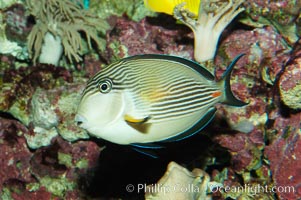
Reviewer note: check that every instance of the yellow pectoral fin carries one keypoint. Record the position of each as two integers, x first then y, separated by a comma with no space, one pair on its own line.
140,125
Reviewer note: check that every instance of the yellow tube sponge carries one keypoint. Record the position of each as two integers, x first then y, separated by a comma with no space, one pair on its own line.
207,23
168,6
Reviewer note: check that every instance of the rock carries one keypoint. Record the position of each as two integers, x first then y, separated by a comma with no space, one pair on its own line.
14,155
59,166
265,50
290,83
42,112
246,151
146,37
46,102
282,15
248,118
284,154
178,183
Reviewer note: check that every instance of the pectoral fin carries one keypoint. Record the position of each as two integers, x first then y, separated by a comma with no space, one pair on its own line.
140,125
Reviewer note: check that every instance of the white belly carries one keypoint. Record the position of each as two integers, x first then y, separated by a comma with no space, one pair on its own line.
123,133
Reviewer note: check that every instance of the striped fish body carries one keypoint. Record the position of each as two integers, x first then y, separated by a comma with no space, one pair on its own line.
150,98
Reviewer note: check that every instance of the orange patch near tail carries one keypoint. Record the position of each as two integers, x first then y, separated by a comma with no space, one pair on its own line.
216,94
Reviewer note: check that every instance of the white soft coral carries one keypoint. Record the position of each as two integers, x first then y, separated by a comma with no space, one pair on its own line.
212,19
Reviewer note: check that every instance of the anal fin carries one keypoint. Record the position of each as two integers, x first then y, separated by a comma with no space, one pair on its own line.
147,148
147,152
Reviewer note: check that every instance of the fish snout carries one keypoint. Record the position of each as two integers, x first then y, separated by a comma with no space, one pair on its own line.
80,120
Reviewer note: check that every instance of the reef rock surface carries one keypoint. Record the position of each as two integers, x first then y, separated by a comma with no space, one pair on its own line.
44,155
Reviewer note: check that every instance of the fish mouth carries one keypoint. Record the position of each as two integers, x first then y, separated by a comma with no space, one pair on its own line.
80,120
89,124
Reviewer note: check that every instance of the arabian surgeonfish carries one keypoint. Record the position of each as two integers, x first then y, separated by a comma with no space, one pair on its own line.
150,98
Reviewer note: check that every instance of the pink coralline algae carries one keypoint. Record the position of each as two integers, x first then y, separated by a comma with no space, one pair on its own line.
43,98
284,154
267,77
17,25
290,82
283,15
245,150
64,159
23,82
35,175
14,154
262,140
281,11
16,169
148,36
261,46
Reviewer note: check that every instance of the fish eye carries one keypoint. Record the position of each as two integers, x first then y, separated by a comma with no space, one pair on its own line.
105,86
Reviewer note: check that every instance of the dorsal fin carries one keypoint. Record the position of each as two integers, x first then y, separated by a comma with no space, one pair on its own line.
189,63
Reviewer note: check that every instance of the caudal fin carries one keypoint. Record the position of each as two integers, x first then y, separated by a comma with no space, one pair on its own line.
229,98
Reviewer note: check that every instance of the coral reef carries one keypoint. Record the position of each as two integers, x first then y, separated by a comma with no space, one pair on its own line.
54,171
44,155
7,3
15,156
267,51
45,101
57,29
12,31
290,82
284,154
129,38
283,15
133,9
17,26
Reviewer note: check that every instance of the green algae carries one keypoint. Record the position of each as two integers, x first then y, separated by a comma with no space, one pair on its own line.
282,19
82,164
118,51
222,176
7,3
19,165
292,97
19,111
70,132
65,159
57,186
32,187
42,137
68,102
134,9
261,173
6,194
